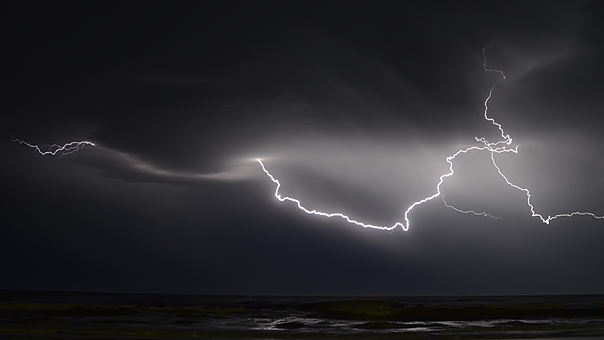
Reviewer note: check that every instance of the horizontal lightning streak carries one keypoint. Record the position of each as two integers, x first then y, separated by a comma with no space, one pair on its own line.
493,148
53,149
528,200
315,212
405,225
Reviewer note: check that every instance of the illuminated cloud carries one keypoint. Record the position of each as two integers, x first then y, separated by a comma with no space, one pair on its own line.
354,108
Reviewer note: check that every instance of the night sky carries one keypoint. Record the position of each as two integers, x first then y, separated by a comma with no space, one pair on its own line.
354,107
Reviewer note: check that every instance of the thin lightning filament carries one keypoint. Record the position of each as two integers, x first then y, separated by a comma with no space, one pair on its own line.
55,149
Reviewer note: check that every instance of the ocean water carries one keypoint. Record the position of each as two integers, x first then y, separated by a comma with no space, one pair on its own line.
59,315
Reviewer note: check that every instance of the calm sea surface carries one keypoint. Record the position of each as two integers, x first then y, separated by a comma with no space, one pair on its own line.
52,315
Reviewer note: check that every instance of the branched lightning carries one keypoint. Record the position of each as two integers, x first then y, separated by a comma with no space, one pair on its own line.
54,149
496,147
500,146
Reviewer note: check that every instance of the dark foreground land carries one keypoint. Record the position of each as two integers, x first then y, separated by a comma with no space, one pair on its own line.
54,315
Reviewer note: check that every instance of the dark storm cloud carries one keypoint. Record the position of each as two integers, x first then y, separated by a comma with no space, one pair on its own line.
318,76
354,107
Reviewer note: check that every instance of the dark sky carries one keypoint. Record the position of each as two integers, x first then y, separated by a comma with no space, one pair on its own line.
354,107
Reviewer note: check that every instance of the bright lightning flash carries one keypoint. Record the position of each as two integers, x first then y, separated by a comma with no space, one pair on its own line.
55,149
498,147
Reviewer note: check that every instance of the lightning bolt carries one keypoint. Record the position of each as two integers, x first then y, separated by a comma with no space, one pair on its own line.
54,149
315,212
501,146
494,148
